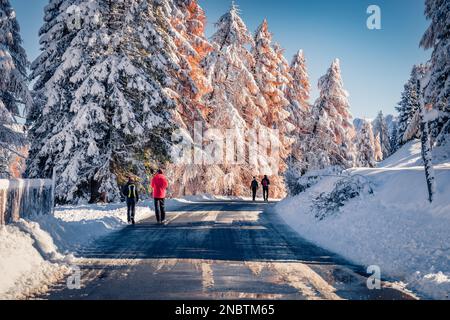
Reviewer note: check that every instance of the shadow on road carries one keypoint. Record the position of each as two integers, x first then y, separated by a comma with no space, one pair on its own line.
263,239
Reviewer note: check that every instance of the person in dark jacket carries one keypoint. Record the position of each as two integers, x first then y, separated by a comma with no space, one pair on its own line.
265,184
159,185
130,192
254,186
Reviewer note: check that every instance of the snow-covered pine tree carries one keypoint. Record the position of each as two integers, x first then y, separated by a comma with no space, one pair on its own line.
366,146
52,94
14,94
235,101
55,36
273,81
188,21
437,93
331,141
380,128
298,94
116,68
394,138
409,107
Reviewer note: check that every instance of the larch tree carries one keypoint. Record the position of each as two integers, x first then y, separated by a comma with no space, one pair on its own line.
273,78
366,146
380,128
119,108
14,94
298,94
332,137
437,92
234,102
378,150
188,21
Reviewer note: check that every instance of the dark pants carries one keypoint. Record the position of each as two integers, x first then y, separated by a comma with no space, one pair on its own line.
131,205
160,210
266,193
254,194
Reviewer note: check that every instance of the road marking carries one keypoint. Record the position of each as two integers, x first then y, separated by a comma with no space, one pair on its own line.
308,282
207,276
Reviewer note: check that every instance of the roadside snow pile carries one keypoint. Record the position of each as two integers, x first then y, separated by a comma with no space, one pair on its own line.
392,226
37,252
29,261
73,227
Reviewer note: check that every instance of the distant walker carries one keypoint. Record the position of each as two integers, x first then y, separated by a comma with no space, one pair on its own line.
265,184
254,187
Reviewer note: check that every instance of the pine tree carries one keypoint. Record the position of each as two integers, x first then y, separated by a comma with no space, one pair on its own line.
115,103
380,128
437,93
332,138
366,146
408,108
271,74
13,87
51,92
394,138
235,102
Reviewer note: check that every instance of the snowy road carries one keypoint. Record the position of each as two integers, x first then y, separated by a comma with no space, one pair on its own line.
215,250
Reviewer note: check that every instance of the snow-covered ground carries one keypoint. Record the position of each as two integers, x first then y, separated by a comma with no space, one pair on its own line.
37,252
395,228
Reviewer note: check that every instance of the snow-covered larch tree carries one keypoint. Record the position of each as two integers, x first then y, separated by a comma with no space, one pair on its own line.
117,109
366,146
298,94
235,102
380,128
14,95
272,76
332,137
188,21
378,150
437,92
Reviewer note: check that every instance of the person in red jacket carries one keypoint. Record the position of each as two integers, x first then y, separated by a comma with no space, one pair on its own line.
159,186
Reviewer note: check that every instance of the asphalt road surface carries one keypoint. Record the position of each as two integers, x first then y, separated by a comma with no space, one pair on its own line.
216,250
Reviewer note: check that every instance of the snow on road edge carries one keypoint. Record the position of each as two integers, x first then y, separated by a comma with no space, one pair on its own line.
396,228
37,252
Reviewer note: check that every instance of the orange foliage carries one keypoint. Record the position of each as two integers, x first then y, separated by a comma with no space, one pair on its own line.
194,86
17,165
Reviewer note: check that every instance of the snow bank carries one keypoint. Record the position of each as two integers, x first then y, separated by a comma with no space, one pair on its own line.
395,228
37,252
75,226
24,250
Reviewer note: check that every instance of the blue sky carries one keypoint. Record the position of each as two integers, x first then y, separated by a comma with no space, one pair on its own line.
375,63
